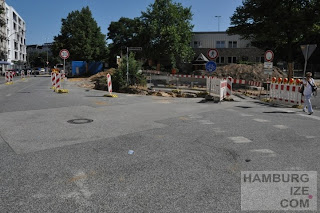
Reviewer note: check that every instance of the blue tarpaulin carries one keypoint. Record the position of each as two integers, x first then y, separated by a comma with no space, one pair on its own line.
82,68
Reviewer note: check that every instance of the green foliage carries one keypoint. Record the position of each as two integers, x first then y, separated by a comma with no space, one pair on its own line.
280,25
120,76
37,59
164,32
169,31
81,35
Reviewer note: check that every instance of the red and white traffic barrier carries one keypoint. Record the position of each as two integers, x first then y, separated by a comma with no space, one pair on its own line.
229,86
11,76
217,86
188,76
53,80
57,81
22,74
285,93
109,82
63,74
28,73
7,76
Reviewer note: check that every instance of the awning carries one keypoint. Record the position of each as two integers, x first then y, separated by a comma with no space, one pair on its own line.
4,63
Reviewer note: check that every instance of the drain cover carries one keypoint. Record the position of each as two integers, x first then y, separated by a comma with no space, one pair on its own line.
80,121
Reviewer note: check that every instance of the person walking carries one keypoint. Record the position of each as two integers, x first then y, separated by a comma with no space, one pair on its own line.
308,83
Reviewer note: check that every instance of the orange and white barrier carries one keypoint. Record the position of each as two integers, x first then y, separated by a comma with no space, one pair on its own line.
109,82
286,92
57,81
217,86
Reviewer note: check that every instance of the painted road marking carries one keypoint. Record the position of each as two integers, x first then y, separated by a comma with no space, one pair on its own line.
310,137
265,152
281,126
261,120
240,139
194,116
8,95
217,130
311,116
246,115
206,122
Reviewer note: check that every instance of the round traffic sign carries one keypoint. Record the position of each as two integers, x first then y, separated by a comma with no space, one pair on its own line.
211,66
268,55
64,54
213,53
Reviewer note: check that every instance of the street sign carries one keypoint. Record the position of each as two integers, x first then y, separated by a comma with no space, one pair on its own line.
47,62
64,54
268,56
268,65
213,54
307,50
211,66
135,48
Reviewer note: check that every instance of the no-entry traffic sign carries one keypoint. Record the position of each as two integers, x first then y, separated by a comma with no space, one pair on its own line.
64,54
213,54
268,55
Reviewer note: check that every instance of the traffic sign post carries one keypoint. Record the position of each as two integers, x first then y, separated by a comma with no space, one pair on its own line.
307,50
211,66
268,56
213,54
64,54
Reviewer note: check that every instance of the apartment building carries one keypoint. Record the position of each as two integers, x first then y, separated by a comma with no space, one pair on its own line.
16,37
231,49
3,32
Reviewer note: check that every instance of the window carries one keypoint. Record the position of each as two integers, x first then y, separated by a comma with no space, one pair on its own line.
196,44
232,60
220,44
15,55
14,26
232,44
220,60
14,16
245,58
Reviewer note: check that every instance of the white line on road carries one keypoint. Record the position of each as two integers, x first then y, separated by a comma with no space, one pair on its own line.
205,122
8,95
281,126
246,115
265,151
261,120
310,116
240,139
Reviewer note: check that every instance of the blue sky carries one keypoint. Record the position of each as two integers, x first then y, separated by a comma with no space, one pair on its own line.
43,17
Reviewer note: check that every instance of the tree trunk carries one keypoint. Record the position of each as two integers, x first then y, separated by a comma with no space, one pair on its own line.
158,66
290,60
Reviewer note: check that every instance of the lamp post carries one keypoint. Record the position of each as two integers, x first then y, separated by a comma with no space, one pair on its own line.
218,22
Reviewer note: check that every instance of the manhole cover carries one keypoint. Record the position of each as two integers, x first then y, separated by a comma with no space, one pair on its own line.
80,121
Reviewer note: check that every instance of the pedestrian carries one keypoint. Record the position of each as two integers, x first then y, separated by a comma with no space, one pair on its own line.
308,83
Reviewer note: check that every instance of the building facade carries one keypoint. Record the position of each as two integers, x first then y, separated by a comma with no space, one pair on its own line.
16,37
231,49
3,31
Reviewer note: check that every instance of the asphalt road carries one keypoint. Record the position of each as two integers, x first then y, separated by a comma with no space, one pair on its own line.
141,153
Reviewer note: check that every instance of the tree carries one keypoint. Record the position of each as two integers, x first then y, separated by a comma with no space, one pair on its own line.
164,32
124,33
120,76
279,24
167,28
81,35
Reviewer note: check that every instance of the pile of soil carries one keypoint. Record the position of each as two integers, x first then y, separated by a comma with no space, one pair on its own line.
245,72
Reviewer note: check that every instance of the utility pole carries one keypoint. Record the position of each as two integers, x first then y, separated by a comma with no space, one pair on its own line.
218,22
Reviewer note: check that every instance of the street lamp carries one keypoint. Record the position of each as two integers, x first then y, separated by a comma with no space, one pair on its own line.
218,22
